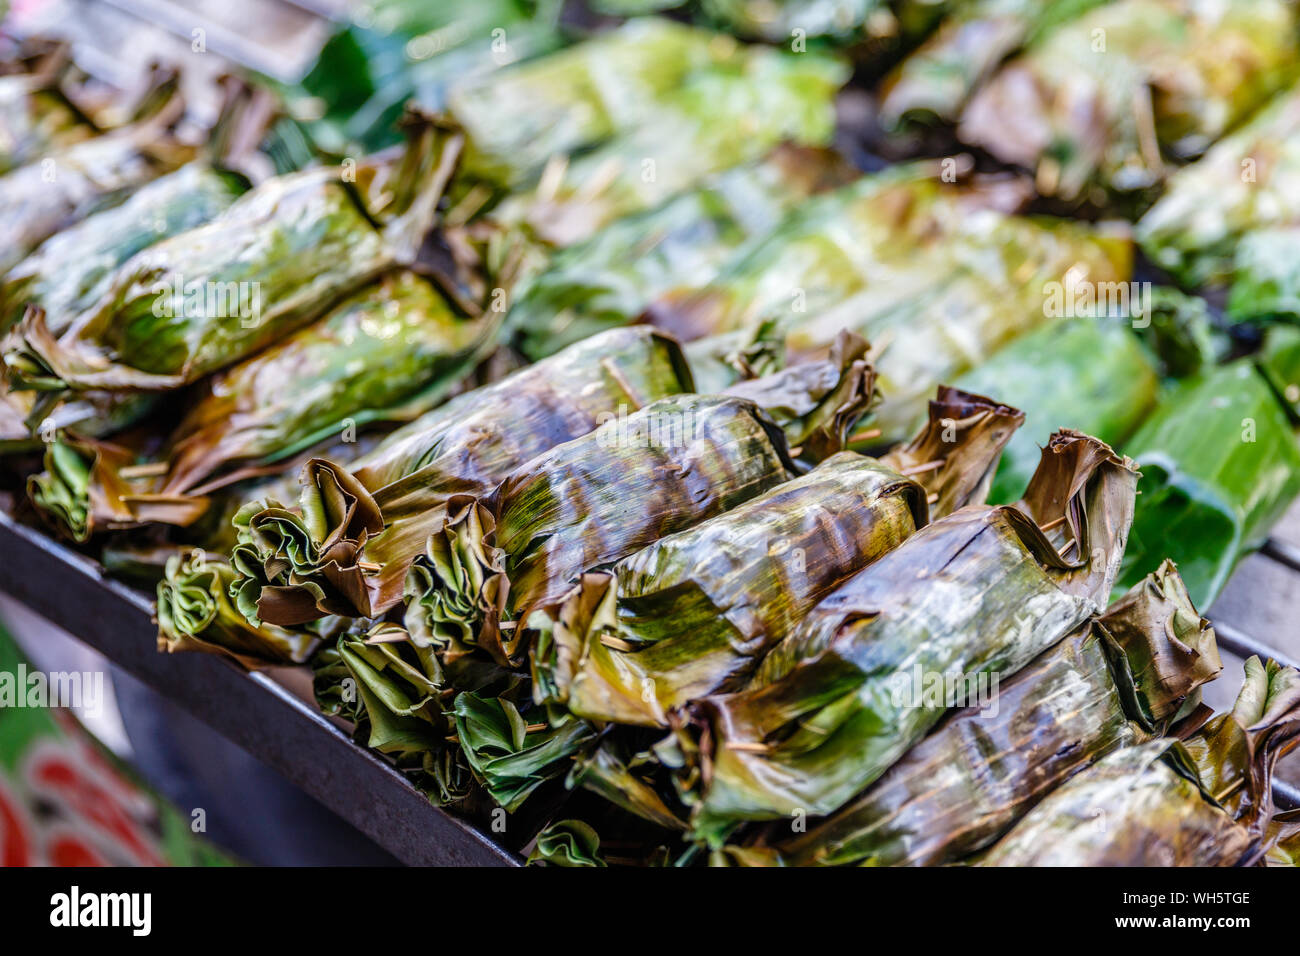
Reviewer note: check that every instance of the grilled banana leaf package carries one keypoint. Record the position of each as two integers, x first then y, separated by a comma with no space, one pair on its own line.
385,353
1110,100
274,261
695,612
978,593
387,501
1120,679
1204,802
933,274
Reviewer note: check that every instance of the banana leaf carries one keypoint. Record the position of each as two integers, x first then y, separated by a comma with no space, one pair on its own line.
1116,681
972,596
38,113
195,614
1087,374
387,352
938,78
567,843
609,279
518,118
70,272
750,100
276,260
1206,802
1266,282
382,680
295,567
1110,98
679,619
777,20
1279,363
586,503
41,197
509,757
929,272
1248,181
1220,465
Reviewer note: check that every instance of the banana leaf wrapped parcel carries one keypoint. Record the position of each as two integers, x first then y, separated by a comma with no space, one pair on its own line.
274,261
680,619
610,278
378,511
742,106
39,107
1220,464
39,198
935,274
387,352
1118,680
1205,802
971,596
1109,98
590,502
1248,181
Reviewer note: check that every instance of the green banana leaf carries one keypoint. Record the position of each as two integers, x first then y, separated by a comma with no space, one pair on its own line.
934,276
974,595
195,613
297,566
388,352
1279,363
1114,682
395,51
1082,373
609,279
1220,464
1106,101
1205,802
1248,181
745,103
1266,281
509,757
568,843
274,261
680,619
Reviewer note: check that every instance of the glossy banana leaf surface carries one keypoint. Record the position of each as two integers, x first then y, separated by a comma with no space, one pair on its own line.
748,101
387,352
976,594
378,511
1118,679
275,260
1220,464
694,613
1110,100
586,503
609,279
928,271
71,271
1279,363
1248,181
1059,376
1204,802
